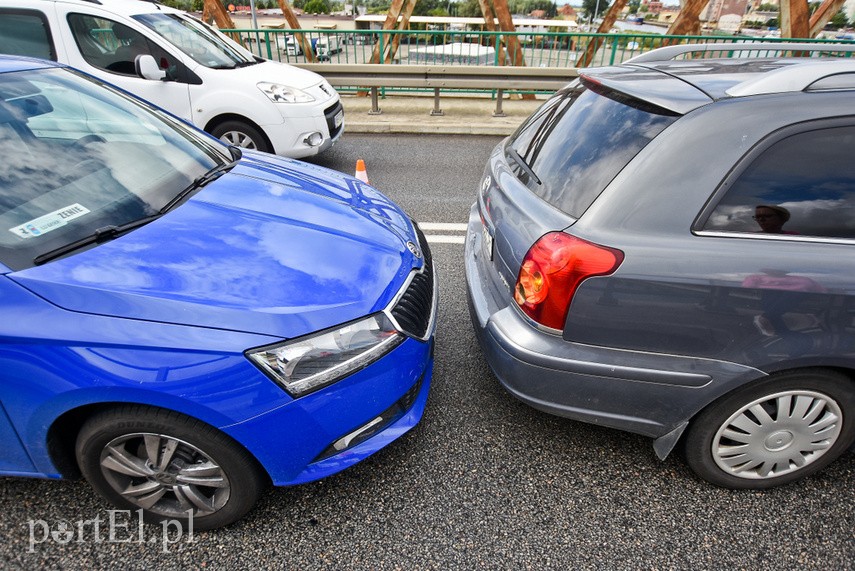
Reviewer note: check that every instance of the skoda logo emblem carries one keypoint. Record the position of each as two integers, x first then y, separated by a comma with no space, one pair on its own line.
414,249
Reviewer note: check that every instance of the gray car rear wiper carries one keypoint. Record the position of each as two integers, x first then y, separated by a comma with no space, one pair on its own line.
100,235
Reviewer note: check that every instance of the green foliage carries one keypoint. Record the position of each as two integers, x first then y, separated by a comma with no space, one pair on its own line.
179,4
589,6
469,9
839,20
317,7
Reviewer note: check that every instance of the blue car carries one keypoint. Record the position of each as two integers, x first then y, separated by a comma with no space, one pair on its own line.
185,323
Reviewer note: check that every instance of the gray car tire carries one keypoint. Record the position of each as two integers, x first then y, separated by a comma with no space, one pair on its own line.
774,432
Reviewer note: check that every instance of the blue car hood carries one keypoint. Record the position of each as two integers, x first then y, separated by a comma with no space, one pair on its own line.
273,247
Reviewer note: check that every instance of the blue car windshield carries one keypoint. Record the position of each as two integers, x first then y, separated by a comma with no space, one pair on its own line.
79,157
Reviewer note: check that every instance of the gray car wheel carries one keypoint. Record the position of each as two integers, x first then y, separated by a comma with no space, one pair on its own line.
168,465
775,432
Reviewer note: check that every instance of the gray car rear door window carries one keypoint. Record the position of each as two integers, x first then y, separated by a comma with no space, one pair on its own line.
801,185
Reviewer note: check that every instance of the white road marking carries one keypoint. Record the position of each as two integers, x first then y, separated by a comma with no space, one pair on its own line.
448,232
443,239
447,226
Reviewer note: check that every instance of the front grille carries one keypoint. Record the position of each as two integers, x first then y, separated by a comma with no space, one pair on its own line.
414,310
330,114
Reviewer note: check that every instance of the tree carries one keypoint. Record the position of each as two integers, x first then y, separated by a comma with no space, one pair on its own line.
839,20
589,6
317,7
469,9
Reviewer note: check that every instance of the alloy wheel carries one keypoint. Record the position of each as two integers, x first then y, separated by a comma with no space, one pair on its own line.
164,475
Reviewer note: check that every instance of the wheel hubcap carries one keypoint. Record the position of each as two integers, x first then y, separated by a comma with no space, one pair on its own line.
239,139
164,475
777,434
779,440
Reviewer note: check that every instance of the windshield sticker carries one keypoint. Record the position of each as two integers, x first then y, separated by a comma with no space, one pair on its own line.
48,222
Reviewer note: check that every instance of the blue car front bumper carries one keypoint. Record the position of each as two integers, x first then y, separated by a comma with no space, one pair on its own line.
325,432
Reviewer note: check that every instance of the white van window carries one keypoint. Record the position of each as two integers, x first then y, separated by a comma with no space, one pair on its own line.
198,41
113,47
25,33
106,44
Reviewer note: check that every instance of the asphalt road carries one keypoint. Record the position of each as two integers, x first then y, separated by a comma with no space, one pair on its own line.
484,482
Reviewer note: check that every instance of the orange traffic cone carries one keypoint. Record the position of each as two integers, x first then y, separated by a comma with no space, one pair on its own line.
361,173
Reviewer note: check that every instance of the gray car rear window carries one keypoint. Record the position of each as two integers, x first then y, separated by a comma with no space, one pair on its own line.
579,140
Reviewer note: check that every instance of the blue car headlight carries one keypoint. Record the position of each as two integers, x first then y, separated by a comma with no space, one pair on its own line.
309,363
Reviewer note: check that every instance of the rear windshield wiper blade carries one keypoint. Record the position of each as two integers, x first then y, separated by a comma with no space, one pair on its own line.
202,180
100,235
515,156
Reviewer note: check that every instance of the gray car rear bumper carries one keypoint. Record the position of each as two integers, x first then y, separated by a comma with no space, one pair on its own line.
645,393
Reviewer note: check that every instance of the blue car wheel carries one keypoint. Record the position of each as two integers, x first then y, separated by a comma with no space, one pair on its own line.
170,466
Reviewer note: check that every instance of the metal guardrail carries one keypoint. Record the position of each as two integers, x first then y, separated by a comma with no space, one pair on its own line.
420,77
426,60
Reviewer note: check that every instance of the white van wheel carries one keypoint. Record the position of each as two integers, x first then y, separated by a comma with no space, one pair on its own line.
241,135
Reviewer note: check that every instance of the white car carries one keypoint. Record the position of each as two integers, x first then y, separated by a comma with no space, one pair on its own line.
184,66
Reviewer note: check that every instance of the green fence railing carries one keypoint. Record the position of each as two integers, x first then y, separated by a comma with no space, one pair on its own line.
542,49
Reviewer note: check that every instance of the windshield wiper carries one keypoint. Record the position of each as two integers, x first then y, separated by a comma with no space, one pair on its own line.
100,235
234,64
204,179
515,156
108,233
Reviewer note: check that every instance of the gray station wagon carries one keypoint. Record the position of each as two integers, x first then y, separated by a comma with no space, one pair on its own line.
667,247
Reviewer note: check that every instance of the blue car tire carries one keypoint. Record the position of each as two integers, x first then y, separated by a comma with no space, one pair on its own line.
171,466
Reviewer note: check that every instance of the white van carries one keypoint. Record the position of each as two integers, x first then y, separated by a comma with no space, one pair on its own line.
183,65
293,47
326,46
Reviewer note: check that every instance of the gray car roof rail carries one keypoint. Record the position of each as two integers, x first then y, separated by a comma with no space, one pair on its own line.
796,77
668,53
